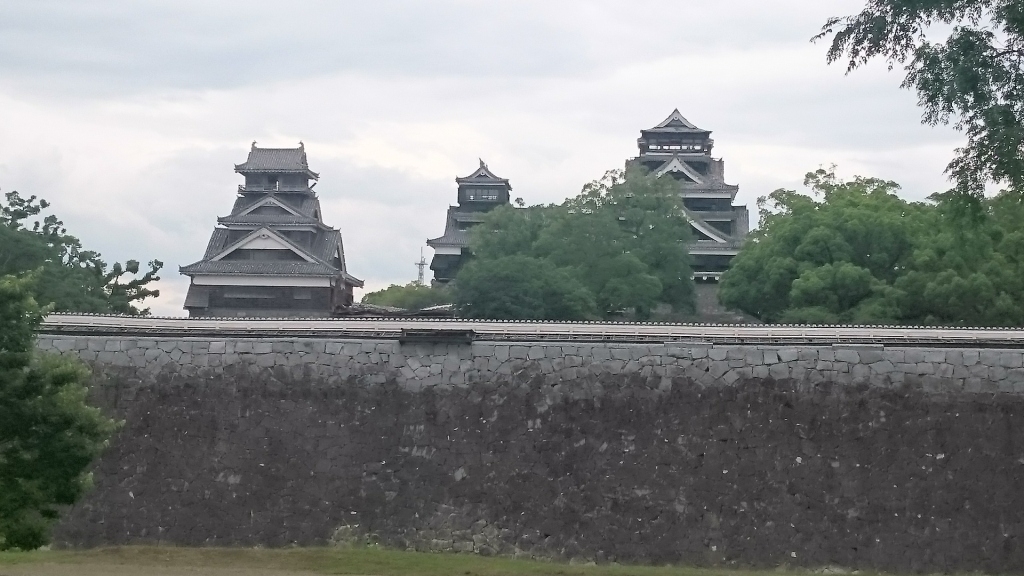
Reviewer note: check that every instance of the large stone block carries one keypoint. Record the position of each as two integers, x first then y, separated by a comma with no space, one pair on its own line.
1011,360
847,355
788,354
870,356
882,367
64,344
620,353
778,371
718,368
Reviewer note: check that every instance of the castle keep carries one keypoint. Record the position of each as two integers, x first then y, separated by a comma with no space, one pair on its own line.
681,150
479,193
273,255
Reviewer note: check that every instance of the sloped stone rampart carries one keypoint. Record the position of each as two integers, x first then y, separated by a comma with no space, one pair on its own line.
867,457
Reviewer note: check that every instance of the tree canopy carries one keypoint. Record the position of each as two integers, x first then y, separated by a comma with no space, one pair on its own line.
618,245
972,77
69,276
412,296
857,253
48,435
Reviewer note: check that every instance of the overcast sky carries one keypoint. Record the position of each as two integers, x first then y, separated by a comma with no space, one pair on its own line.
128,116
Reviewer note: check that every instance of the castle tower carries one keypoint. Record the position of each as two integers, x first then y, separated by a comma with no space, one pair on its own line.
478,193
273,256
678,149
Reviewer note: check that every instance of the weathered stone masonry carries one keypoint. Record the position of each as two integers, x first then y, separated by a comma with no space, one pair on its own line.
894,458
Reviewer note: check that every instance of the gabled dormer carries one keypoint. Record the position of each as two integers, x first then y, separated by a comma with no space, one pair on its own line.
263,245
680,170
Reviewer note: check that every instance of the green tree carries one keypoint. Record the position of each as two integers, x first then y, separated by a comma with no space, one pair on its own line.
48,434
650,214
971,76
69,277
508,231
828,258
521,287
412,296
622,239
857,253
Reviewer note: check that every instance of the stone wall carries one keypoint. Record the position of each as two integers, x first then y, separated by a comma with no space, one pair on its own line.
867,457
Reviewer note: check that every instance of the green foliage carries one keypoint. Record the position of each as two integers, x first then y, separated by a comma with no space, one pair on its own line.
412,296
973,77
516,287
69,277
857,253
622,240
48,434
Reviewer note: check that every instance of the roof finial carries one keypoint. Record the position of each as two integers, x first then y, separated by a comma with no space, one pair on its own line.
301,145
482,163
253,144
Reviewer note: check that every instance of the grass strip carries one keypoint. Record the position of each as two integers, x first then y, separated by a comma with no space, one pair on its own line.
362,561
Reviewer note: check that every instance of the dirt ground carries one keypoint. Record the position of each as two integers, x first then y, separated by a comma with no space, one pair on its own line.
48,569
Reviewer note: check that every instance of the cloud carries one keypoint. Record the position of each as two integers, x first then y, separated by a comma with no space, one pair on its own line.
130,116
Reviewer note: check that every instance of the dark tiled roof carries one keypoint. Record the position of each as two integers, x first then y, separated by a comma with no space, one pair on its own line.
452,235
322,252
256,267
324,244
276,160
216,244
676,123
273,219
483,175
712,186
305,204
468,216
456,238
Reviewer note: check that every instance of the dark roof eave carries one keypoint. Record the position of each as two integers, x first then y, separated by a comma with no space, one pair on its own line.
241,169
661,131
183,271
500,182
446,242
284,221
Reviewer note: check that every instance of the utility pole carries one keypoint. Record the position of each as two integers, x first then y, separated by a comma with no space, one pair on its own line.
420,266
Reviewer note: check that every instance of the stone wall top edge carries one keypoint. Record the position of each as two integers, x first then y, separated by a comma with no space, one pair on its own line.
533,343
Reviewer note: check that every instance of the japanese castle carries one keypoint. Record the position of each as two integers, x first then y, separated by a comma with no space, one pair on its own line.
675,148
273,256
682,151
478,193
